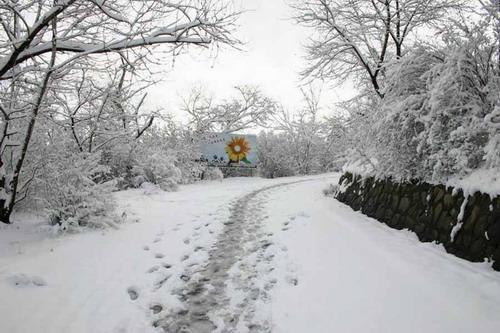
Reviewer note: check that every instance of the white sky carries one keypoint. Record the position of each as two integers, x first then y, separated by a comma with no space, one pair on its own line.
272,59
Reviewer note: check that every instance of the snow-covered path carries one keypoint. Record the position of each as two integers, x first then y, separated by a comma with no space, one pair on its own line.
242,255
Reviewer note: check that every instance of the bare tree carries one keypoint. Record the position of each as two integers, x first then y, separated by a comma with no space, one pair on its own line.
248,108
358,37
43,43
102,111
305,132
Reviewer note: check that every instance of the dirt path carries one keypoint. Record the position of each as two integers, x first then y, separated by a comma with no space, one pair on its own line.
236,262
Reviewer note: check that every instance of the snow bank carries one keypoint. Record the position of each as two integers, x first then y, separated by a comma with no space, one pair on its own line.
485,181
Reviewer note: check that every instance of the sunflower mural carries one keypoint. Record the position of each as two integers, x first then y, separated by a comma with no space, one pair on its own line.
237,149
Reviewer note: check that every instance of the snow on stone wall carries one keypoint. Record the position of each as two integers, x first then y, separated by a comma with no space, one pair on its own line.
468,225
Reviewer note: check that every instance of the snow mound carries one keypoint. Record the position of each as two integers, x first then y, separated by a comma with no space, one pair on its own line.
150,188
483,180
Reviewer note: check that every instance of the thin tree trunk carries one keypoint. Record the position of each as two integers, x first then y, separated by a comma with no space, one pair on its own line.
8,205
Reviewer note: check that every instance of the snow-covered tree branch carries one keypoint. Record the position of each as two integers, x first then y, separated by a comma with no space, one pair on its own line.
93,27
248,108
356,38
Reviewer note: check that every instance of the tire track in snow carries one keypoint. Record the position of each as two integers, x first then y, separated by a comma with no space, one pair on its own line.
207,303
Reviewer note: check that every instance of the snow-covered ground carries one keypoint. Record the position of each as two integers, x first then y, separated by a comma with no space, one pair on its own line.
241,255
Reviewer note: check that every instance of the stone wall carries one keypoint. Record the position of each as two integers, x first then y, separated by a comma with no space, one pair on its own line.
467,227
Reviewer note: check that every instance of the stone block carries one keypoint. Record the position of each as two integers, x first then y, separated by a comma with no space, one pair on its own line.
410,222
423,199
448,200
454,213
496,259
445,223
477,249
436,212
419,229
395,202
380,213
404,204
494,232
443,238
480,226
438,192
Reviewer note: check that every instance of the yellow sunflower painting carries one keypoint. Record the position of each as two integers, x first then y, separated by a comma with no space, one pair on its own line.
237,149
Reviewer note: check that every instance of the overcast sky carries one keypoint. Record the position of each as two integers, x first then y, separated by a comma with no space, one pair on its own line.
272,59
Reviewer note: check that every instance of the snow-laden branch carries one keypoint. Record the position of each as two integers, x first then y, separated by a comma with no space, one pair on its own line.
71,46
110,12
98,26
358,38
23,43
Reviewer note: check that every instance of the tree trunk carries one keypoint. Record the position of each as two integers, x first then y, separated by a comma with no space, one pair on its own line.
10,190
4,213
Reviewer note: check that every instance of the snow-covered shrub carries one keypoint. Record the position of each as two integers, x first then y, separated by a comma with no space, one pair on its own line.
150,188
492,149
71,196
120,159
165,156
213,173
355,131
174,148
275,158
399,121
456,131
158,169
439,116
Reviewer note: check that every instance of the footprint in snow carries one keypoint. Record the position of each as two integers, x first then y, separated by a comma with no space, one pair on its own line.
270,284
159,255
286,226
145,248
153,269
266,244
157,240
156,308
23,280
133,293
292,280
